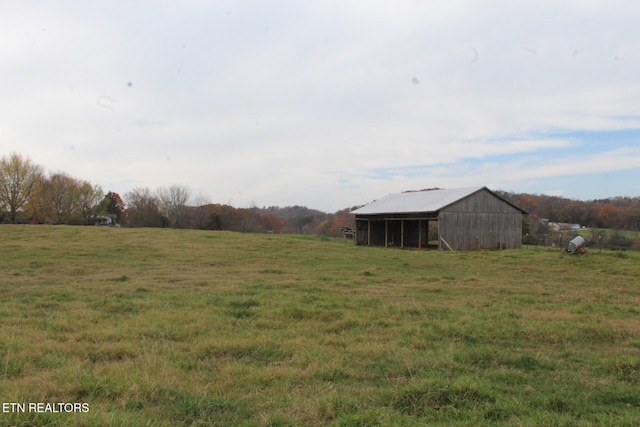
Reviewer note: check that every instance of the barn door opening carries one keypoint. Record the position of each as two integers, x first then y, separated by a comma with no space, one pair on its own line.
413,233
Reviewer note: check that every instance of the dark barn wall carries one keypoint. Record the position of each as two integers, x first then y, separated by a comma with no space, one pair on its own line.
399,232
414,234
362,233
481,221
406,233
370,229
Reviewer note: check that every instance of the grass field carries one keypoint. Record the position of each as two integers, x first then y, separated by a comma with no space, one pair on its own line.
176,327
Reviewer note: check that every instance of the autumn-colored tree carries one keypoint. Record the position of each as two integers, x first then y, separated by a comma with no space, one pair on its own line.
19,178
528,203
113,204
37,207
590,213
61,195
271,223
631,219
328,228
571,213
607,215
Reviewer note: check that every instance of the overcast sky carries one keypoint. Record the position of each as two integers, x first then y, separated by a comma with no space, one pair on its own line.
327,104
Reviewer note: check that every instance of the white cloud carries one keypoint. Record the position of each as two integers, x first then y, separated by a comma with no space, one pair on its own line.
301,103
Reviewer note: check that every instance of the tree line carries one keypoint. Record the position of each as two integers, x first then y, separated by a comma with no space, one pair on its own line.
618,213
29,195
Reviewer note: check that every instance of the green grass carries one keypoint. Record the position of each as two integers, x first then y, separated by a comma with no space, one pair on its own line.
175,327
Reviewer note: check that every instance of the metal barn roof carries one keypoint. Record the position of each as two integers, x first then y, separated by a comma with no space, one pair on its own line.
416,201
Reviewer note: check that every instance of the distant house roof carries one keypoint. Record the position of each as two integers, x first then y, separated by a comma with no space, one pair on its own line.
420,201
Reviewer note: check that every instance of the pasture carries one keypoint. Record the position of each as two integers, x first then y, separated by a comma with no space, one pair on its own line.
181,327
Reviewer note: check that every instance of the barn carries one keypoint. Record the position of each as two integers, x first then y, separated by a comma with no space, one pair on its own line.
455,219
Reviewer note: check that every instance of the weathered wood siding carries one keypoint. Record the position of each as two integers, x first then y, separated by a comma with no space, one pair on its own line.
481,221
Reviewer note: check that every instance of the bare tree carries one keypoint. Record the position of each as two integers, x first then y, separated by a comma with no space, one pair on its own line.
19,178
199,213
143,208
173,201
